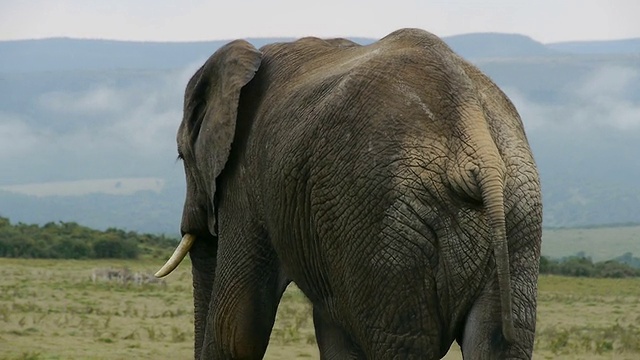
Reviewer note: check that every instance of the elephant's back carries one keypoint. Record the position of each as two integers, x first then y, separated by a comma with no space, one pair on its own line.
345,116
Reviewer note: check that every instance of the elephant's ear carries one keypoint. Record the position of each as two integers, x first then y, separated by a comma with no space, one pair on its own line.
211,106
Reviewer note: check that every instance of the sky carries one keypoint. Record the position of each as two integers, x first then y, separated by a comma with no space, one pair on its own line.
193,20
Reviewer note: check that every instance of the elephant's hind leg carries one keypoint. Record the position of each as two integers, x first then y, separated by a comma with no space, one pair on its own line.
482,337
333,342
247,290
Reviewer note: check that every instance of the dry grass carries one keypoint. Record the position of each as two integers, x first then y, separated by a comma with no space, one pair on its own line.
53,310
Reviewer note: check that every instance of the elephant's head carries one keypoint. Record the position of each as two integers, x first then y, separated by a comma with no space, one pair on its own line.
204,142
205,137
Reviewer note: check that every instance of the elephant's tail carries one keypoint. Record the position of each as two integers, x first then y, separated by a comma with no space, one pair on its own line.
481,174
492,191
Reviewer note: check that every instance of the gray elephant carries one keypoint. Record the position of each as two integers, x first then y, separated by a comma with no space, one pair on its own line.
393,183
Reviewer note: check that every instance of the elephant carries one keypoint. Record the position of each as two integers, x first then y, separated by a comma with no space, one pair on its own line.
392,182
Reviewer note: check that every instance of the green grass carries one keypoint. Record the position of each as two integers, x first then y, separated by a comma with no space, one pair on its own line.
589,318
51,309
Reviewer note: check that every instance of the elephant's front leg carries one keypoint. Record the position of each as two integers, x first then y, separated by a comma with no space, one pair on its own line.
203,265
246,293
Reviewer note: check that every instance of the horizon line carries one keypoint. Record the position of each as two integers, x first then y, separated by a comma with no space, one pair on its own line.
64,37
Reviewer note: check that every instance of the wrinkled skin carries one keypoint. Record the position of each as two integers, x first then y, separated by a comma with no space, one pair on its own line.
393,183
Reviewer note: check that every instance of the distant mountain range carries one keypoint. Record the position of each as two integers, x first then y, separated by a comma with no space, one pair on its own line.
63,54
87,127
625,46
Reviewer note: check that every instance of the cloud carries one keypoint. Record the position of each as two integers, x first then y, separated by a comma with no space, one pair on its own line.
534,115
96,101
606,99
142,116
112,125
16,137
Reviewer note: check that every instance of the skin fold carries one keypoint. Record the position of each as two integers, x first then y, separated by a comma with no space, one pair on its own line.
393,183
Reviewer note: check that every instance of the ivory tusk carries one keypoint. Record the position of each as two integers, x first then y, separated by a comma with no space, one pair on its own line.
177,256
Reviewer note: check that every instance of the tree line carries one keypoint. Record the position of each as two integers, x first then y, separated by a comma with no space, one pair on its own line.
69,240
583,266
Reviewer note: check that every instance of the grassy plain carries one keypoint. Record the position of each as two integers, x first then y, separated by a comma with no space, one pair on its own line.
52,309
